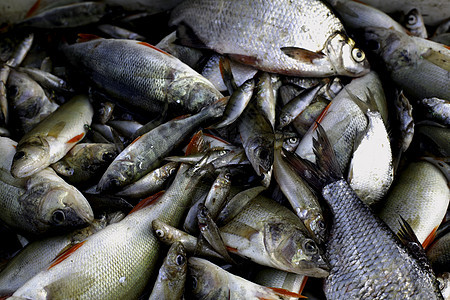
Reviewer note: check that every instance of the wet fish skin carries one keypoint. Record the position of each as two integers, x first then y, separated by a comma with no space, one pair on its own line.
172,274
117,68
315,45
52,138
367,259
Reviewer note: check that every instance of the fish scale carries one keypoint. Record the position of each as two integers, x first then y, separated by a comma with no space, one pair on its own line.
365,257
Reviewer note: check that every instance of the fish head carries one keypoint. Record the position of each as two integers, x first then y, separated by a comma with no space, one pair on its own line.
65,208
261,155
293,251
31,156
119,173
205,280
346,58
176,261
314,222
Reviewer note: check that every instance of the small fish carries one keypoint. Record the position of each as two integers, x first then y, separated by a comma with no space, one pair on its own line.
212,282
172,275
436,109
309,46
47,80
414,23
52,138
119,32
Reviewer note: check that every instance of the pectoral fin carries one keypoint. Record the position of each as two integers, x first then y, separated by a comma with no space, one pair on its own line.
301,54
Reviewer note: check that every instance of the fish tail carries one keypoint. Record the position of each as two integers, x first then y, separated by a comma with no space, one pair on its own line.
325,170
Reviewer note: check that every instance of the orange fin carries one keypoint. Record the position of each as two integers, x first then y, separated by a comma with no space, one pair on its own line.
285,292
196,145
33,9
76,138
305,279
136,139
321,116
146,202
65,254
231,249
430,238
86,37
302,54
181,117
154,48
245,59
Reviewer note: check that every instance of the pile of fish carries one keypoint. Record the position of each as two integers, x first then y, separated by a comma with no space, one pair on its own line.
219,149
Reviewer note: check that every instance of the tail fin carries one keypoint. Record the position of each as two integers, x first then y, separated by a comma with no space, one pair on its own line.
326,169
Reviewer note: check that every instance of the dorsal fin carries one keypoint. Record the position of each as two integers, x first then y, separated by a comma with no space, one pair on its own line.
196,144
86,37
409,239
146,202
154,48
65,254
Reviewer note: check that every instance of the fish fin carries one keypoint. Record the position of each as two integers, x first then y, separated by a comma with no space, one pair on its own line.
56,129
301,54
217,138
437,58
86,37
285,292
76,138
33,9
242,230
231,249
196,145
65,254
325,170
305,279
146,202
409,239
154,48
430,238
187,37
245,59
227,74
135,140
55,289
321,116
344,9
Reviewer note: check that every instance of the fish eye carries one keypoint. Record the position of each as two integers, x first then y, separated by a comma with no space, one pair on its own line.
358,55
159,233
293,140
19,155
180,260
13,91
58,216
310,247
373,45
263,154
412,20
321,224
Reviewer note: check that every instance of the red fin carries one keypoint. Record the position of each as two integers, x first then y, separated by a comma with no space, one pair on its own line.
303,284
154,48
217,138
245,59
65,254
447,47
430,238
146,202
86,37
135,140
33,9
321,116
196,145
285,292
231,249
182,117
302,54
76,138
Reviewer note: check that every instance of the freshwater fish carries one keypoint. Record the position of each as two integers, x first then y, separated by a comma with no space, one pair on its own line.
294,42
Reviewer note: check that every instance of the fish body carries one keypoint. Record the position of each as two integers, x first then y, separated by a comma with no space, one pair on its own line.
437,109
278,36
141,75
414,23
52,138
117,261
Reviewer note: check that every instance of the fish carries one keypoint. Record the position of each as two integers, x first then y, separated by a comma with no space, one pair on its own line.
47,80
421,196
145,153
272,235
42,203
52,138
280,279
152,76
309,46
189,56
436,109
28,100
217,196
172,274
420,67
438,254
367,259
119,32
414,23
209,281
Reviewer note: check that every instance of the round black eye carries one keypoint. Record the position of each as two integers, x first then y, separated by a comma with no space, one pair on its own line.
58,216
263,154
19,155
321,224
373,45
310,247
412,19
180,260
159,233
